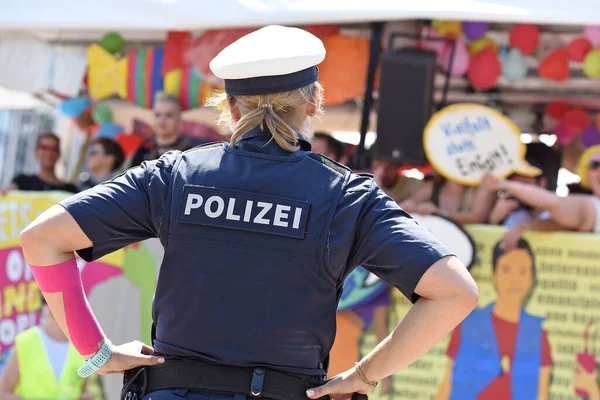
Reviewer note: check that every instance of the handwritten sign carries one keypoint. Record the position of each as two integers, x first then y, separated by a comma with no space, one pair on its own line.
465,141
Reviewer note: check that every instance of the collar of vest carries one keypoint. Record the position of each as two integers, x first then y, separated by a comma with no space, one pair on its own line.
258,133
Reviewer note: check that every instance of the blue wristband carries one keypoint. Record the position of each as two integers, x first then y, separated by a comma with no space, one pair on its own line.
97,361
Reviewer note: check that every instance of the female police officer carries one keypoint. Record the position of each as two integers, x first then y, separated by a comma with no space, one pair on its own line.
259,235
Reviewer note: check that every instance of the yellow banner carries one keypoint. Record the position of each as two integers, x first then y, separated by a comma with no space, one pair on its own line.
538,320
539,314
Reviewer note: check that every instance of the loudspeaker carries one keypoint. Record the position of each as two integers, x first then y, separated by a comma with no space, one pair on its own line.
405,105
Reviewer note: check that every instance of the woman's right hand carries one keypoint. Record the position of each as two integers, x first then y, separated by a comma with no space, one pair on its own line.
129,356
341,387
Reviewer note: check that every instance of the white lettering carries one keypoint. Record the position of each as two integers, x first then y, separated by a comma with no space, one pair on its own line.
259,219
14,266
248,212
220,207
193,201
297,216
8,331
230,215
281,213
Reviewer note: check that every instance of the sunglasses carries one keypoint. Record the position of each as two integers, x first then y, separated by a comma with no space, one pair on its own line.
54,149
594,165
93,153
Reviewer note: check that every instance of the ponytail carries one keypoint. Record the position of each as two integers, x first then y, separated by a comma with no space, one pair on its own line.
270,111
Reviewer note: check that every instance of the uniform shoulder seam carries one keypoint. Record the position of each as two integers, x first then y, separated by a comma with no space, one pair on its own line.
336,166
206,146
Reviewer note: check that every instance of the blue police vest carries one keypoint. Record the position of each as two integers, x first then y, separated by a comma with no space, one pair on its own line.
478,360
246,234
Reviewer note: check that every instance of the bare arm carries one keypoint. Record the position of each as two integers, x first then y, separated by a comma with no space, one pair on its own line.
10,378
51,239
448,294
573,212
381,331
482,206
501,210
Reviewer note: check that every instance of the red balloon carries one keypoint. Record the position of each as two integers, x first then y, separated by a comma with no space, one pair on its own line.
576,121
485,69
525,37
555,67
578,49
557,110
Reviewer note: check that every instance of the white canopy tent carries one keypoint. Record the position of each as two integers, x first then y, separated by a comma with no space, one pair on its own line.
194,14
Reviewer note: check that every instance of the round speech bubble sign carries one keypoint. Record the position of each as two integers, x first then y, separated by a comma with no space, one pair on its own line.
465,141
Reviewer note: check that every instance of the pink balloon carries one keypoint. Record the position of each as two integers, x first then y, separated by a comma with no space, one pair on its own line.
563,135
592,33
462,58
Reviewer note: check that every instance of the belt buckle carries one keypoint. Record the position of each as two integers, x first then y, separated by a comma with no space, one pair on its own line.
258,380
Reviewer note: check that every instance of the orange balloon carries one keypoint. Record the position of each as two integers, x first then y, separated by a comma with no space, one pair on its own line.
352,56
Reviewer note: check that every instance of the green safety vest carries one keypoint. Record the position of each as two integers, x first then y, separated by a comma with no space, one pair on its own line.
36,377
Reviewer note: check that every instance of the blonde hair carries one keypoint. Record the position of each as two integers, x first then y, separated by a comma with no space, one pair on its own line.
273,111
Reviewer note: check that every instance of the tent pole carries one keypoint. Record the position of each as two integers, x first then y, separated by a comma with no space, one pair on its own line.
359,160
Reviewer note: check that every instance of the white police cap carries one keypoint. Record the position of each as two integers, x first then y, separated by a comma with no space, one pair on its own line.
272,59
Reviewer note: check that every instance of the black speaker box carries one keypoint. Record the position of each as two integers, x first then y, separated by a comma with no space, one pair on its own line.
405,105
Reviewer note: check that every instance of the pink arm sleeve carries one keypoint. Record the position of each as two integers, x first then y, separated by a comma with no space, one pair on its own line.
84,330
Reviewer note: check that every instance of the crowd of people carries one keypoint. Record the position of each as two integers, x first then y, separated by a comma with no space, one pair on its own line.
519,203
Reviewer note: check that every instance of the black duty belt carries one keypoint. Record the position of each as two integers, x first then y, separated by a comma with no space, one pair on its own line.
197,376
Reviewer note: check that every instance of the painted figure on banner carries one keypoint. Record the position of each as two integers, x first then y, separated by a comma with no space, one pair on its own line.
501,351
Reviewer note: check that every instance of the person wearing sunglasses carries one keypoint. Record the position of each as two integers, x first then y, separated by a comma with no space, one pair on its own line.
47,152
578,212
104,160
